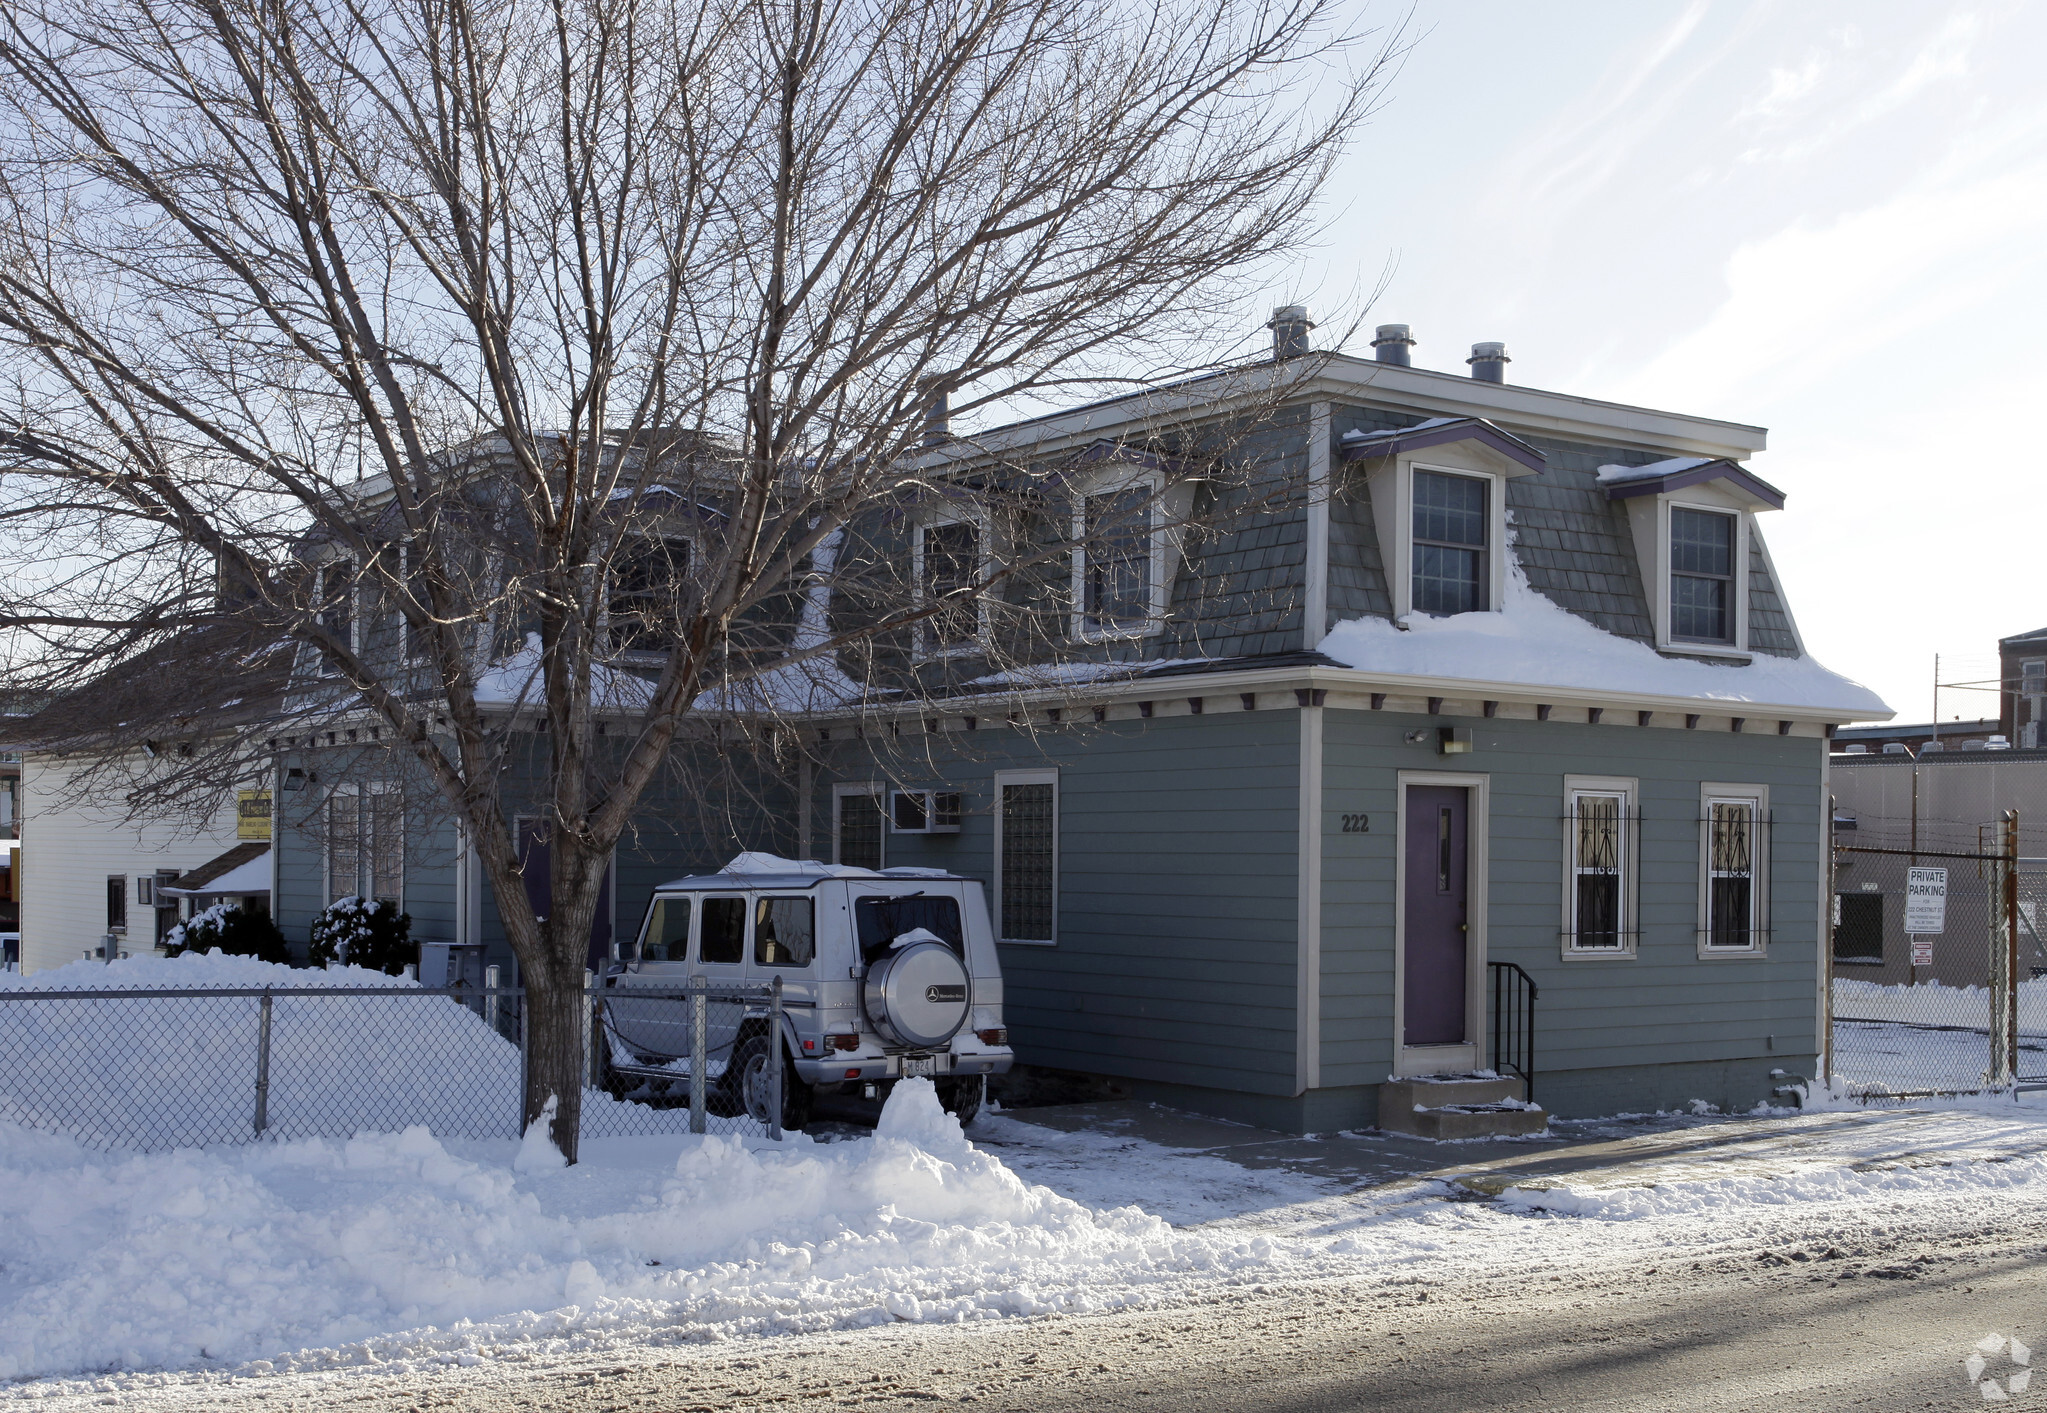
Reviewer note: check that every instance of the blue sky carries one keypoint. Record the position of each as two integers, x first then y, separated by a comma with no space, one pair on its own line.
1826,218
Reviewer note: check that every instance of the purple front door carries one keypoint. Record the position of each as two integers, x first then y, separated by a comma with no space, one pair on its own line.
1436,942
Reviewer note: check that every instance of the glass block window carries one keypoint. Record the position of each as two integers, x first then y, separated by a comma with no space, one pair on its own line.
1450,568
1701,576
1028,825
859,829
366,845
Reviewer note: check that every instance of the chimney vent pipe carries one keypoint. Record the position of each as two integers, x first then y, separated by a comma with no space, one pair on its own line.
1391,345
1290,325
937,412
1489,362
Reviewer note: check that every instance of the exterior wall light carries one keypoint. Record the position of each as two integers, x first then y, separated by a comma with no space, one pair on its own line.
1453,740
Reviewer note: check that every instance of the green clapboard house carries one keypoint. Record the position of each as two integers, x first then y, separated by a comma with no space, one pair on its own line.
1474,735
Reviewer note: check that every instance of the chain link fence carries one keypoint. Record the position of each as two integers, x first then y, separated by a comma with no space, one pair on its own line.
157,1069
1938,981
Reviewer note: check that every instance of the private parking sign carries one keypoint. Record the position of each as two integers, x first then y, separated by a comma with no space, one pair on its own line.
1925,901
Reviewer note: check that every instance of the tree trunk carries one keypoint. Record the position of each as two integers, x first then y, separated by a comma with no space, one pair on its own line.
557,1056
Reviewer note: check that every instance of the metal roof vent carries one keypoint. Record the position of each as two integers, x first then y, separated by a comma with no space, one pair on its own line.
1391,343
1489,362
1290,325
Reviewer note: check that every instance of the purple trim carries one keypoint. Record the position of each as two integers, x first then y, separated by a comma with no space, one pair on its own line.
1699,475
1464,429
1107,450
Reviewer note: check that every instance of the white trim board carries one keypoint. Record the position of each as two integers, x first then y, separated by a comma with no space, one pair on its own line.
1308,910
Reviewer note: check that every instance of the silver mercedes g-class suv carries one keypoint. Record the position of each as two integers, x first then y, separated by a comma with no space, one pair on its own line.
884,975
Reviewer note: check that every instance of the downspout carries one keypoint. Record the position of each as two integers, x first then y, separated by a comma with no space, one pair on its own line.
1308,908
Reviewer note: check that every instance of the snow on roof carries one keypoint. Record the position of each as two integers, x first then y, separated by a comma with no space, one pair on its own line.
516,681
1671,466
252,875
1355,437
762,870
812,684
1533,641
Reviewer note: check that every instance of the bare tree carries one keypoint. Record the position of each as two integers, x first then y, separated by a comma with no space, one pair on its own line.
451,341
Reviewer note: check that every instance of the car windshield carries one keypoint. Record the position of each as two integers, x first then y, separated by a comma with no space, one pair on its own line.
881,920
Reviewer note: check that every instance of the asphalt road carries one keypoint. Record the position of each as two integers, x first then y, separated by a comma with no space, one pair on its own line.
1866,1319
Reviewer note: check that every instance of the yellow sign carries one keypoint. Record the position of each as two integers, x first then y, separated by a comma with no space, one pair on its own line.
252,814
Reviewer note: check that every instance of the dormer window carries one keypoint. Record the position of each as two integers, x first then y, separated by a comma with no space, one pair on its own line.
648,579
1451,572
1118,564
1702,593
950,567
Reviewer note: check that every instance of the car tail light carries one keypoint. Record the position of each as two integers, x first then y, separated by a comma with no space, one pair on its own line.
844,1042
997,1036
852,1074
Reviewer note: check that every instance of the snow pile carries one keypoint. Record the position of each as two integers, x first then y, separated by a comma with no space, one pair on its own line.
1532,641
1669,466
322,1253
157,1072
1931,1003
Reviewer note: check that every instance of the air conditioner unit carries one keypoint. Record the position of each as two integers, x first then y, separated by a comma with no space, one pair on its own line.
924,811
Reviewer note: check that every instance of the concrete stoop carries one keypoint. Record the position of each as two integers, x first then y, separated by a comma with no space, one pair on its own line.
1457,1106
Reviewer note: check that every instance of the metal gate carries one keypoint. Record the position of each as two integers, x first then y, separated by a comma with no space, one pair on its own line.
1938,973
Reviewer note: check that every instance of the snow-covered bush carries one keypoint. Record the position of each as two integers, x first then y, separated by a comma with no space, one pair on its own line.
364,934
235,930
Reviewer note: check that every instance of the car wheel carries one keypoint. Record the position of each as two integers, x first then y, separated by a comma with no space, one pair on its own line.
962,1097
749,1076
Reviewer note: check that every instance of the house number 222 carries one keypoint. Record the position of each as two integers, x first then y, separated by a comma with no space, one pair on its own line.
1357,824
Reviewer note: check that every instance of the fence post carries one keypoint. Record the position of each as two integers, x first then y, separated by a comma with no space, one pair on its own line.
775,1060
2003,957
490,999
2011,951
263,1064
593,1031
519,1092
699,1053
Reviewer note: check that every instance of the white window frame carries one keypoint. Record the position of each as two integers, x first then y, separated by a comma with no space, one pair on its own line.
1628,790
1737,608
1392,494
1649,519
925,647
325,667
1757,797
1153,485
610,588
878,791
359,794
1004,779
1496,530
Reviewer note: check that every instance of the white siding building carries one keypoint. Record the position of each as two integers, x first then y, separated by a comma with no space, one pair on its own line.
86,871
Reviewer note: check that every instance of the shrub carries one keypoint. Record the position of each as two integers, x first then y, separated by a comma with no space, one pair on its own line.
237,931
364,934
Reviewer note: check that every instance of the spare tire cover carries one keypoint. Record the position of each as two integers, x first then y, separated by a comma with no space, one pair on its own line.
918,994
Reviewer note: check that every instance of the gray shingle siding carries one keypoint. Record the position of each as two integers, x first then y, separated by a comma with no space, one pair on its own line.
1769,622
1574,544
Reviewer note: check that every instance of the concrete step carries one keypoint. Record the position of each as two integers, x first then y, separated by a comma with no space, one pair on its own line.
1457,1106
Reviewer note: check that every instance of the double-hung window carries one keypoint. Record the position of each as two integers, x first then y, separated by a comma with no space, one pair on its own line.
949,571
1027,855
366,843
1702,590
1451,570
336,592
644,608
1599,866
1734,857
1118,585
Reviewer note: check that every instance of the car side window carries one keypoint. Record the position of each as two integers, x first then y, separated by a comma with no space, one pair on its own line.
667,938
723,940
784,934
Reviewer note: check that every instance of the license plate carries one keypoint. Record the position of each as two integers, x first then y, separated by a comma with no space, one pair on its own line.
916,1066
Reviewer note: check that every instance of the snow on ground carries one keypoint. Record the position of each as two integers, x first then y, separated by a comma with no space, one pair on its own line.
164,1072
406,1252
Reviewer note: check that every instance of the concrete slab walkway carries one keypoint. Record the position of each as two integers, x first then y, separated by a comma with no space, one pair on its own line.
1646,1151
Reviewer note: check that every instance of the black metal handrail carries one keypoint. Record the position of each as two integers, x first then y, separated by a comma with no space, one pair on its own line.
1513,1032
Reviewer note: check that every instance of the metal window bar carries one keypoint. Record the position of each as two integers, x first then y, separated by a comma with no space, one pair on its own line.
1737,854
1599,833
